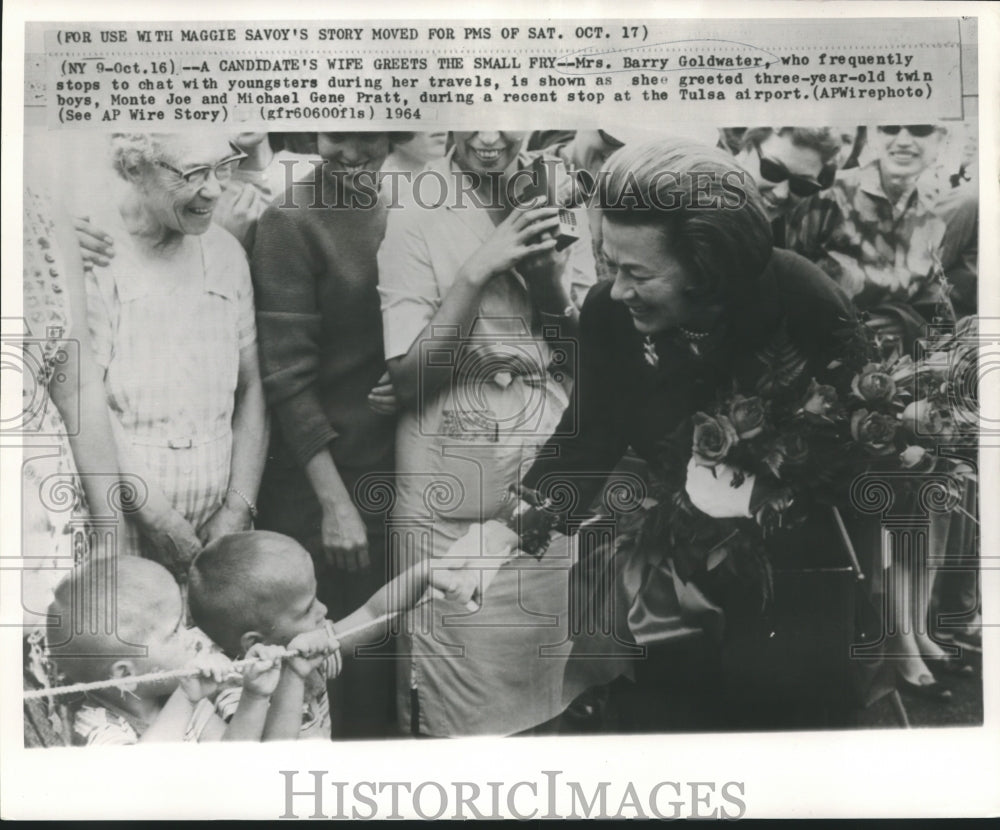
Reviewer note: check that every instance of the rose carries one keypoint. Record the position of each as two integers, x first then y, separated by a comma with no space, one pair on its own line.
874,431
820,401
873,385
938,364
922,418
747,416
916,458
713,438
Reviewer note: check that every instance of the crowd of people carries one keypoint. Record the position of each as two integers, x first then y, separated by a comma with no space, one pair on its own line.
329,398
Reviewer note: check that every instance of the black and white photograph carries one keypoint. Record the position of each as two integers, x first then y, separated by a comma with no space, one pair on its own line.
655,415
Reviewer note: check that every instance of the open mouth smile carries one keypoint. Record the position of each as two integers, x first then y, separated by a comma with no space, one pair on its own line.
487,155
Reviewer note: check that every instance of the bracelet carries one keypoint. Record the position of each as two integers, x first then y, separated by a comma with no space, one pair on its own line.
249,504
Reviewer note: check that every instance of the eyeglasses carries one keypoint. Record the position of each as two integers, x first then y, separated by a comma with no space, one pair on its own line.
916,130
775,172
198,176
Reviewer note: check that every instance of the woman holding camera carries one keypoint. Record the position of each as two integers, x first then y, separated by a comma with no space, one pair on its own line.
475,312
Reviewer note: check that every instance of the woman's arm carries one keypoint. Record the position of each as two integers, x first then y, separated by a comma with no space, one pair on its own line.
511,241
290,327
345,539
590,438
82,392
249,450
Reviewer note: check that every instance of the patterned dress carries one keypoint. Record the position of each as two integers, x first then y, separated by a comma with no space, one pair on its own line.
53,505
168,329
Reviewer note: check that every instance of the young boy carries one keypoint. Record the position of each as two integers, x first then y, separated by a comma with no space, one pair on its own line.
123,618
259,588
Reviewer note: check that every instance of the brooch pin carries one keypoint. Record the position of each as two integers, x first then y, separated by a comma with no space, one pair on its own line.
649,349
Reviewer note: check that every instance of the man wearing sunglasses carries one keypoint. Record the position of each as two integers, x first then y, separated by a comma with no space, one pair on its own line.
882,233
788,164
906,257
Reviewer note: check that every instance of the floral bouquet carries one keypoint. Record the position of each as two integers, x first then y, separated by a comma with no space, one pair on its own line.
762,457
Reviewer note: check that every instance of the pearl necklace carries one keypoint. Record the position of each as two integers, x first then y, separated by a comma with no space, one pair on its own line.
693,335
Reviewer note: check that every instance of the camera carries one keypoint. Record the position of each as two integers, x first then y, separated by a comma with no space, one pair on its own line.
542,184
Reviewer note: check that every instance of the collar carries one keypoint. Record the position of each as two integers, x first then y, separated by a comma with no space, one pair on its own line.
870,181
195,261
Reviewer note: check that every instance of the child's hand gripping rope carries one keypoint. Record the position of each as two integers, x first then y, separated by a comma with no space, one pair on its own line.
316,645
261,670
310,649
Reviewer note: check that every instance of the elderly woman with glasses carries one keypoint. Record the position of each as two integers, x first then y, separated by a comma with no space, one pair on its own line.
172,322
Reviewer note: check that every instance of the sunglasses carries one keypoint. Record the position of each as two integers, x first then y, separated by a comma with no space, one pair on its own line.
916,130
775,172
198,176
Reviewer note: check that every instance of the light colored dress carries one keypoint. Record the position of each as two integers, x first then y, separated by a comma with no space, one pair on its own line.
457,456
53,504
168,330
470,440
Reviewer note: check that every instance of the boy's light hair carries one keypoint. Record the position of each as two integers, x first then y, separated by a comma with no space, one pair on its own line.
103,609
234,580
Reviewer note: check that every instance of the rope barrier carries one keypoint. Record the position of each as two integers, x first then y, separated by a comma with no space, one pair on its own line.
181,674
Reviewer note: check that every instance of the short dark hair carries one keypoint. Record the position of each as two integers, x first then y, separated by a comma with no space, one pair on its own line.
232,581
707,207
305,143
821,139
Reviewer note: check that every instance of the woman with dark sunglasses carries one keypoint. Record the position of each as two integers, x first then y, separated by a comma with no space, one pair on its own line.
788,165
882,234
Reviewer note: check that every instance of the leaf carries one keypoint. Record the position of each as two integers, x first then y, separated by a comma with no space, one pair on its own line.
783,363
716,558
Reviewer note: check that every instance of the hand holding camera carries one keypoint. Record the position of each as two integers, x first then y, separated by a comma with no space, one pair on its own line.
520,235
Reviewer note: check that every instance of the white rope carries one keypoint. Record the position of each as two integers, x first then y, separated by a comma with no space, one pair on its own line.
180,674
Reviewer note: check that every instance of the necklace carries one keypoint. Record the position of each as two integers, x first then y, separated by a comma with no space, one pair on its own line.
693,335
